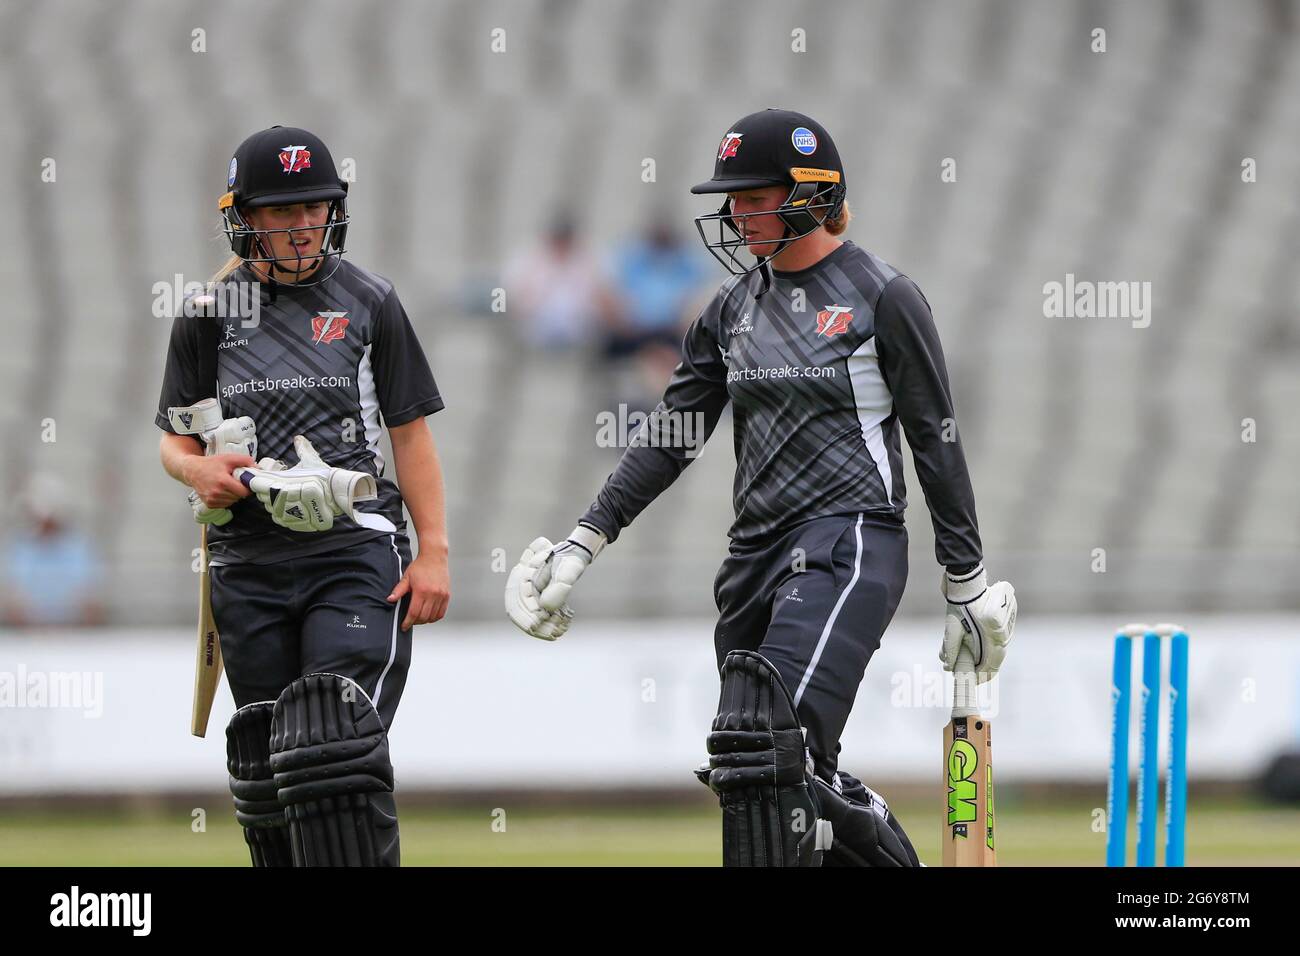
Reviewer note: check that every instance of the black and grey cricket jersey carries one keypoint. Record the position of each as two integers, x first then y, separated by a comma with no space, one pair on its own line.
335,362
821,371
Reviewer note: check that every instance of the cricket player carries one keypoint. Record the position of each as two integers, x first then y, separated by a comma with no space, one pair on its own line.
827,354
313,587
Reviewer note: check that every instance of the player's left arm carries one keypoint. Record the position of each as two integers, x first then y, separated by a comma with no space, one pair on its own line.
980,615
419,477
407,393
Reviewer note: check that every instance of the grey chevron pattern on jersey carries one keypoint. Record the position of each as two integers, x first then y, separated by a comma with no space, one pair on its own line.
824,371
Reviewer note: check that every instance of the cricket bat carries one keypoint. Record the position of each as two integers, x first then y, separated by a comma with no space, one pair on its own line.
968,773
207,665
202,419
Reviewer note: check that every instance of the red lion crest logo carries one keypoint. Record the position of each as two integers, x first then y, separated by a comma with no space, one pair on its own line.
834,320
295,159
328,327
730,144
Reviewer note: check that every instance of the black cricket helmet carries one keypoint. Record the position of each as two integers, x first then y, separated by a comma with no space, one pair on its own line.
772,148
283,166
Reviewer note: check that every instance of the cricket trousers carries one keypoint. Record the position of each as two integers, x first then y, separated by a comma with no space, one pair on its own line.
815,602
324,613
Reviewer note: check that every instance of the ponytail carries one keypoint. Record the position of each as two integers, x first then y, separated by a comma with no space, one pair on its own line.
836,225
224,272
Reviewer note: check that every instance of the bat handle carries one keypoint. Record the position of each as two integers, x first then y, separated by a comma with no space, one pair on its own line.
965,699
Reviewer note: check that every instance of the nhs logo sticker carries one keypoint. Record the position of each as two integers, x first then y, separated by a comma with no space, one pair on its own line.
804,140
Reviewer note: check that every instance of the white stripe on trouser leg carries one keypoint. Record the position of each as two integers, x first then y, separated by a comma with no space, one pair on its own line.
392,650
830,621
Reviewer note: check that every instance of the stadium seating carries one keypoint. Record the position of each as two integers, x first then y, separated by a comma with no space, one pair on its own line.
1081,434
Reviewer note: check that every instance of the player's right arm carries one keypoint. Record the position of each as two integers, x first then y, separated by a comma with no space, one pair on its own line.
183,455
210,476
538,588
673,434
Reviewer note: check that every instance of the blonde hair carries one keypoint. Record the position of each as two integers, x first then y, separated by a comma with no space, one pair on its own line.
836,225
230,265
224,272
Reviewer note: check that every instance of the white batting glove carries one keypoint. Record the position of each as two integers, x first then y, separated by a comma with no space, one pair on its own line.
980,616
205,515
538,588
565,564
307,496
296,502
234,436
523,603
345,487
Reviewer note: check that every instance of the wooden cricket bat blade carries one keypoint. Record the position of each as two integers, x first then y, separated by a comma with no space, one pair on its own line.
207,665
968,774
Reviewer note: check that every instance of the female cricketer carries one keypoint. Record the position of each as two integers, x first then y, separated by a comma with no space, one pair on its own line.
825,353
313,588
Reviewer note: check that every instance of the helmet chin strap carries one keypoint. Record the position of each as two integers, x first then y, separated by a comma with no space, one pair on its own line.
764,262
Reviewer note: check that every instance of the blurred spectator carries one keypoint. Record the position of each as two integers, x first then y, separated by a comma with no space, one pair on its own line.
659,278
557,292
52,575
